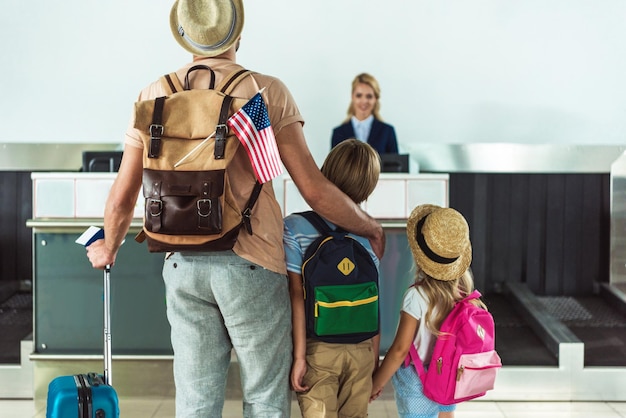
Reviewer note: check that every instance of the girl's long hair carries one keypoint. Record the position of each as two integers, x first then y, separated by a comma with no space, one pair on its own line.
442,295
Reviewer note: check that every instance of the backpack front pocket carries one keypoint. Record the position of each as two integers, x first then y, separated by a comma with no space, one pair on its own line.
346,309
476,373
183,202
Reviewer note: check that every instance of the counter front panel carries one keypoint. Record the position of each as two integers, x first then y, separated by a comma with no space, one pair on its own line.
68,296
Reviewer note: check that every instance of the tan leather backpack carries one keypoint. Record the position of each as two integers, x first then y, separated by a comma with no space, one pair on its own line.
189,205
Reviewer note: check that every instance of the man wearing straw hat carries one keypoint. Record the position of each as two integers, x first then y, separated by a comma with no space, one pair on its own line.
235,299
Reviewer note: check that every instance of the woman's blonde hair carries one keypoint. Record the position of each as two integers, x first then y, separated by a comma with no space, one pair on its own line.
365,78
354,167
442,295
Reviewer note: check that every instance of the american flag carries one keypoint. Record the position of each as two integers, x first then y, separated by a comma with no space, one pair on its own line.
252,126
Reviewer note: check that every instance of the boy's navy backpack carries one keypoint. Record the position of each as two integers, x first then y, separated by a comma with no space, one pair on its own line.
464,361
340,287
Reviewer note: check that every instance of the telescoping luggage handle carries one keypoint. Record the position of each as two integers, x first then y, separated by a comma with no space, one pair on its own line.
108,379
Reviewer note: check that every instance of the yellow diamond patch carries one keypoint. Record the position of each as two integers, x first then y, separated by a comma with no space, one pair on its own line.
345,266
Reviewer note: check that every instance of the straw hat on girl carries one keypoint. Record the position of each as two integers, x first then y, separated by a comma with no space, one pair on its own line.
439,240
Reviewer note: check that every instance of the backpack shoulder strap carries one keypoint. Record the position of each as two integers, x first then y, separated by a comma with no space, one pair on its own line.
247,212
226,86
474,295
317,221
228,83
171,83
221,129
417,362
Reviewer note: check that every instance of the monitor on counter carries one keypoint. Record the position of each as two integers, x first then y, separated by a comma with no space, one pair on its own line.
101,161
394,163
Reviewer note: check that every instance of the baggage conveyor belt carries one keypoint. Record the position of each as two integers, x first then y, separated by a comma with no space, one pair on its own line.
593,320
16,324
516,343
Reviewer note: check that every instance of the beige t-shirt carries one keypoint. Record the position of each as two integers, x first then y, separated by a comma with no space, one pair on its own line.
265,246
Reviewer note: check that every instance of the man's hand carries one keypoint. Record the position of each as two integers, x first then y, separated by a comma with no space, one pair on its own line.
378,243
99,256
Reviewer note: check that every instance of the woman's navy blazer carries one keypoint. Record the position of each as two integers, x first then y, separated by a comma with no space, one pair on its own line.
382,136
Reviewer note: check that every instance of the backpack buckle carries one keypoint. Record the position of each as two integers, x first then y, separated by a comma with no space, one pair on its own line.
156,132
246,215
204,207
156,207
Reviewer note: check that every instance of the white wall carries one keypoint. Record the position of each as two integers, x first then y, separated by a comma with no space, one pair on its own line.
451,71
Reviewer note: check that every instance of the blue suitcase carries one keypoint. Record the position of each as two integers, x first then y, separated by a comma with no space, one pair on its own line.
82,396
88,395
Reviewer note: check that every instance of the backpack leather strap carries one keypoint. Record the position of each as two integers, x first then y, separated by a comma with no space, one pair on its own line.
229,82
247,212
187,85
171,83
155,207
156,128
221,130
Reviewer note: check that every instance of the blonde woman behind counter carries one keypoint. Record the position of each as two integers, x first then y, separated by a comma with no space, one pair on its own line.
364,121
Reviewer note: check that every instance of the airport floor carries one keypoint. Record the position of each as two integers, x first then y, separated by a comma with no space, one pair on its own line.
383,407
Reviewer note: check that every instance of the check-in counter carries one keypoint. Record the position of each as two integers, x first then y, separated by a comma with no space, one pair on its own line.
393,199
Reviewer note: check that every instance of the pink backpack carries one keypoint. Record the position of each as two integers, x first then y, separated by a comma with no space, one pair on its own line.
464,361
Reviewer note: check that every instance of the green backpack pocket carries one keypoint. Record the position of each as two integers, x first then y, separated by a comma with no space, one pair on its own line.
346,309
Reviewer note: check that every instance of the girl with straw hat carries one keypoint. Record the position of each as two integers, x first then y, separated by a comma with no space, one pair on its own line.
440,244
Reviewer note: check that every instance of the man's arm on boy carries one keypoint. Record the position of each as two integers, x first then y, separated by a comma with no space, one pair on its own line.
322,195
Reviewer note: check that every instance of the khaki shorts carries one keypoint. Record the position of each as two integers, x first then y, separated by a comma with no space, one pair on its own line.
339,377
